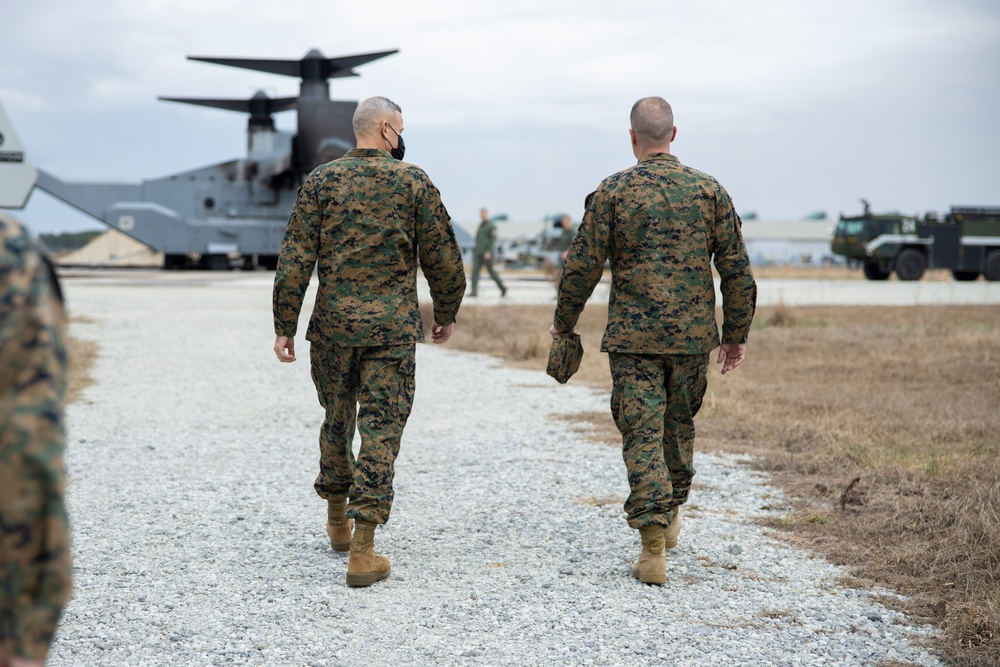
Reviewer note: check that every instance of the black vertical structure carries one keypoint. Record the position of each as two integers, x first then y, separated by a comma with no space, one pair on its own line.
324,125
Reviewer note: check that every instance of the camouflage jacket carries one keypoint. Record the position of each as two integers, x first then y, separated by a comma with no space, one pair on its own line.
661,225
35,574
367,219
486,237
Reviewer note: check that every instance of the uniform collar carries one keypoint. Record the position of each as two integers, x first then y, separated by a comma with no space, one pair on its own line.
367,152
659,157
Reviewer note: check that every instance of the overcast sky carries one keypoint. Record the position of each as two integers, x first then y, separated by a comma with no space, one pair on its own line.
522,105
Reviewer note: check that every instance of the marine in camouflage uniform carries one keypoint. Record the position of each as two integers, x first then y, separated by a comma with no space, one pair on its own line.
662,225
565,239
484,252
365,220
35,575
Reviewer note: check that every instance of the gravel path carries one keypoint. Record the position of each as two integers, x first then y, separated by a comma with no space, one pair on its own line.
198,539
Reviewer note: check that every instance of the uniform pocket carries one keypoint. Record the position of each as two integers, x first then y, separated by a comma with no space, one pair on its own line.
627,396
320,372
626,409
407,387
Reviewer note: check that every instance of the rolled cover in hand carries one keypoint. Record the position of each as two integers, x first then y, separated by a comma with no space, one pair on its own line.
564,357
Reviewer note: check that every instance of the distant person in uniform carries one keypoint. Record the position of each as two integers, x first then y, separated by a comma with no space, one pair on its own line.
35,572
566,239
483,253
366,219
662,225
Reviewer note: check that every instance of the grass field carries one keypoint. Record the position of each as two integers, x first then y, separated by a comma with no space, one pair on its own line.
883,425
81,356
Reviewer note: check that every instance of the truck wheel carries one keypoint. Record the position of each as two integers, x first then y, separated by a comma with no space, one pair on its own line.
964,276
992,271
910,264
872,272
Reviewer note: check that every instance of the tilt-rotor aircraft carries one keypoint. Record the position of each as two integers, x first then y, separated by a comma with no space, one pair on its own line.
230,214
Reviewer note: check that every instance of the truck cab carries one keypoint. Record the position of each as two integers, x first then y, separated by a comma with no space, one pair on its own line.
874,240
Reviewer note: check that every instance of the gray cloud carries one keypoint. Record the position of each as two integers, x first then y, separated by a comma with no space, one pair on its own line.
523,106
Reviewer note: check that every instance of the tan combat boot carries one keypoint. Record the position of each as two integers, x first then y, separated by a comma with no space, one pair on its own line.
338,526
365,567
651,568
671,532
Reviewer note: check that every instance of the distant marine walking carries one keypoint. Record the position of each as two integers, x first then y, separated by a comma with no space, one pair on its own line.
365,220
35,573
662,225
484,253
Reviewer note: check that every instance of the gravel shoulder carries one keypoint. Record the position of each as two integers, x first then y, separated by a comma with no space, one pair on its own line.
198,539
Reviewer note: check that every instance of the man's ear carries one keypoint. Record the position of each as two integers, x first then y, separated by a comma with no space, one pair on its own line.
674,135
631,134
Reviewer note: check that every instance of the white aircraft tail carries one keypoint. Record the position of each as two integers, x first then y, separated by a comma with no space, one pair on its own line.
17,174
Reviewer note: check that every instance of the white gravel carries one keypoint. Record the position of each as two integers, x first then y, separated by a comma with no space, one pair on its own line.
198,539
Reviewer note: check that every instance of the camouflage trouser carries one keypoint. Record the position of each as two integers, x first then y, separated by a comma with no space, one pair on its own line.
654,400
477,267
371,387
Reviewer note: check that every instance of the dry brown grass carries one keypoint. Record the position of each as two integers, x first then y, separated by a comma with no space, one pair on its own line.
81,358
906,401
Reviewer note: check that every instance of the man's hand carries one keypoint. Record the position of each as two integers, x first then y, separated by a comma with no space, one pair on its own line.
441,333
732,355
555,333
6,661
284,347
487,256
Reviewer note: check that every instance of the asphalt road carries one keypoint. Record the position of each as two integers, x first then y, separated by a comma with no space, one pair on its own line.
528,289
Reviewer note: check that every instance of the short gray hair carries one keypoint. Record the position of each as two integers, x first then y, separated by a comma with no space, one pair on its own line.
370,114
652,120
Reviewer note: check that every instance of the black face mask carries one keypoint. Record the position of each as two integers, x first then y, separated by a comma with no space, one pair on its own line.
400,149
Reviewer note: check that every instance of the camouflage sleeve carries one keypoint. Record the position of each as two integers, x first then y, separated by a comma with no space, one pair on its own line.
296,260
585,262
35,568
739,290
440,256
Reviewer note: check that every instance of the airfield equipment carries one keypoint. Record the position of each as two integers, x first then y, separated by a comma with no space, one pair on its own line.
226,214
967,241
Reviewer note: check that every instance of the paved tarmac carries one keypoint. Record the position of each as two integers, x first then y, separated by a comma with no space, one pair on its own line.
534,289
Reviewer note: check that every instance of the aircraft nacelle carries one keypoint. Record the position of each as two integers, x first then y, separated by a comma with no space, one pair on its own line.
226,213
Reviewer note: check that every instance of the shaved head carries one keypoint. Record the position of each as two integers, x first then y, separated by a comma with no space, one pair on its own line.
371,112
652,120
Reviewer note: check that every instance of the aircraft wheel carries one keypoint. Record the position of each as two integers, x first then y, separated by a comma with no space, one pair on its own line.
873,272
910,264
992,271
215,262
964,276
173,262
